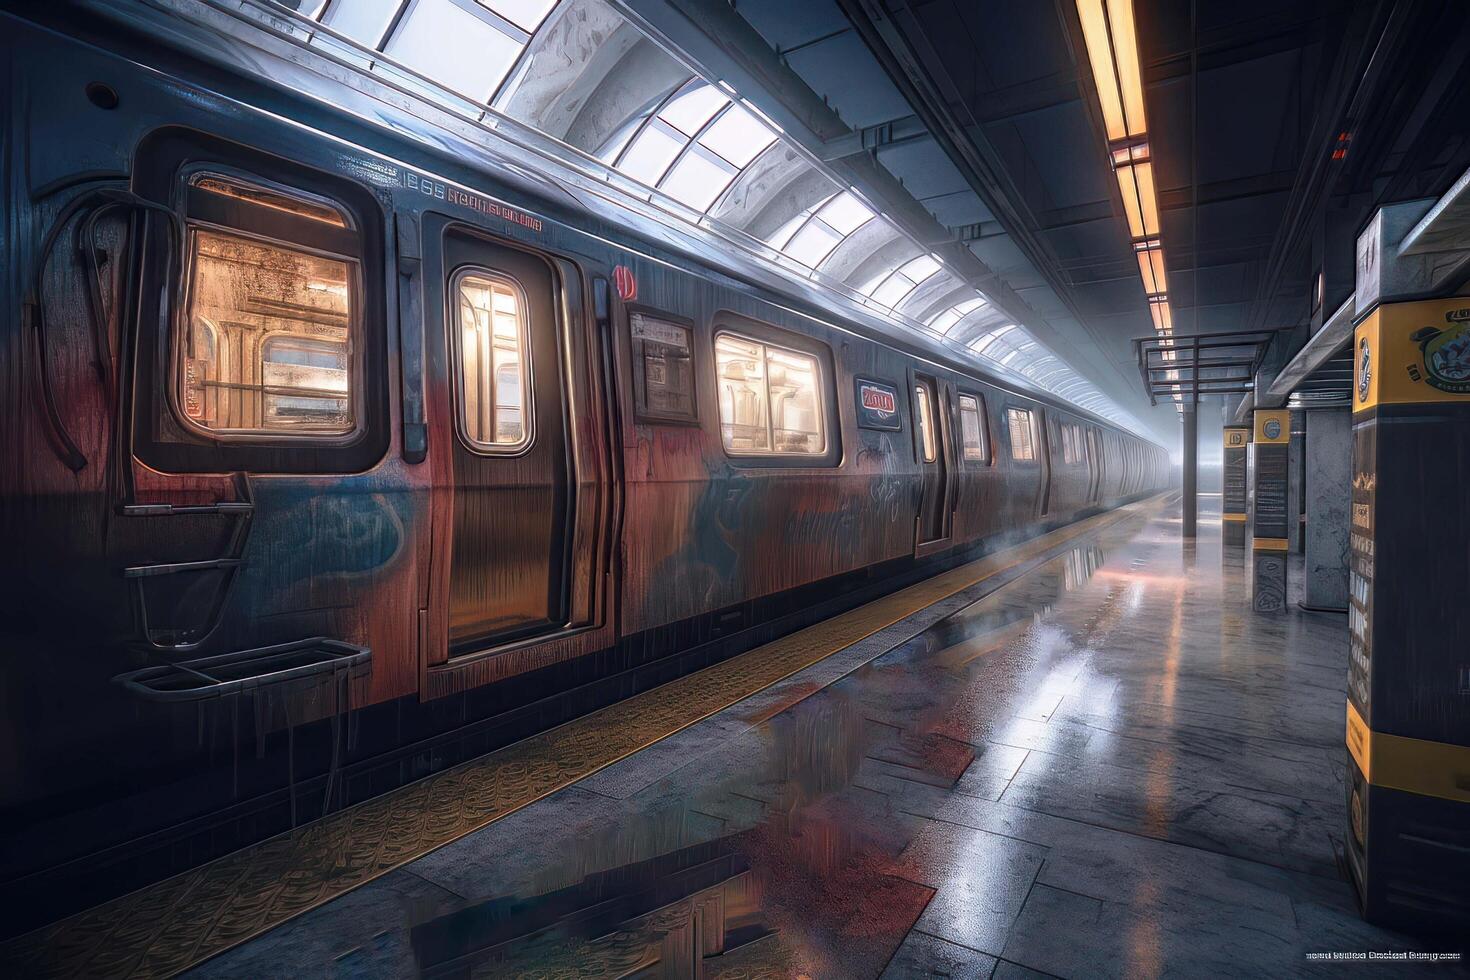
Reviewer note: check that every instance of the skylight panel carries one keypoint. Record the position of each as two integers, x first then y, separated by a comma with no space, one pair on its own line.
690,111
980,343
893,289
845,213
737,136
649,155
871,286
365,21
813,243
454,47
920,268
525,14
786,232
697,180
945,320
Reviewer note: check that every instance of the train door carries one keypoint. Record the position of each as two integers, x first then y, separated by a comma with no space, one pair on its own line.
525,485
1094,465
1043,432
512,514
932,449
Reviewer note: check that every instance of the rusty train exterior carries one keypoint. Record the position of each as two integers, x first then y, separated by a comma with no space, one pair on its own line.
402,456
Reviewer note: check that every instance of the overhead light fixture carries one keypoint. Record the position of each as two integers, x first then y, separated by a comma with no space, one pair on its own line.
1134,169
1151,266
1112,50
1163,316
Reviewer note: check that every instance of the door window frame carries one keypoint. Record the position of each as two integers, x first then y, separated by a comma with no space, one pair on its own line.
456,363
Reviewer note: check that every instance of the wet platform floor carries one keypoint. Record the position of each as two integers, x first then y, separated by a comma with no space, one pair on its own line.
1106,767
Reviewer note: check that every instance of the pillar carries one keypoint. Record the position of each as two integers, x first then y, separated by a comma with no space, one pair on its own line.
1408,712
1295,481
1329,463
1189,437
1235,486
1270,509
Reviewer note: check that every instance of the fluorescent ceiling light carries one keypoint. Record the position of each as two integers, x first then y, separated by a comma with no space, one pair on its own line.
1112,51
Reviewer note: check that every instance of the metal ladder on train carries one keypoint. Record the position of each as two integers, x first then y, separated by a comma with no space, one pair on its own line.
181,639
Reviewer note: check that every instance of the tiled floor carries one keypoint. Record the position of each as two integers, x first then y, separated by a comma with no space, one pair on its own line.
1109,767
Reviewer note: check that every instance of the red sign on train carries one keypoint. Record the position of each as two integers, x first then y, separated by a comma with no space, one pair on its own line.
877,405
626,284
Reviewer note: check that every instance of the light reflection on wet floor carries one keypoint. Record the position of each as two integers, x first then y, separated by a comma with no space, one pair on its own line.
1103,768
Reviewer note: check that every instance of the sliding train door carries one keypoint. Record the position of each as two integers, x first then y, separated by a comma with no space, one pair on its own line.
526,490
511,457
936,463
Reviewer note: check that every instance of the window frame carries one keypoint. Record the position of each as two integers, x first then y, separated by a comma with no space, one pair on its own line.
456,365
982,418
179,329
766,347
165,161
926,421
1031,446
759,332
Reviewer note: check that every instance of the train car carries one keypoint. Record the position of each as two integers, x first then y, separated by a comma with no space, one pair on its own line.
331,460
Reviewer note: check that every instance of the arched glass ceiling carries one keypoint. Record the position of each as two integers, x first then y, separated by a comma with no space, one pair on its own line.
1013,347
468,46
692,147
689,140
889,288
943,321
813,234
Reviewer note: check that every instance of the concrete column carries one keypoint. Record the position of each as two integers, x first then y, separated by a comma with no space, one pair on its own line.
1235,486
1294,452
1270,507
1329,448
1189,437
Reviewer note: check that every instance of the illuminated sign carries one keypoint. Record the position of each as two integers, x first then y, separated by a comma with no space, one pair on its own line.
877,405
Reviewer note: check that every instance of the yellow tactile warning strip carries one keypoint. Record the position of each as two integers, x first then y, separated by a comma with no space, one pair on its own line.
166,928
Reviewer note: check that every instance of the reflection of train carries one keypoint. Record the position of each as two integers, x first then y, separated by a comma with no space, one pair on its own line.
268,383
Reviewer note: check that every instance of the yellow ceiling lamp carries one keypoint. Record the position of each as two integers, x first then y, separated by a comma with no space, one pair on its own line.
1112,51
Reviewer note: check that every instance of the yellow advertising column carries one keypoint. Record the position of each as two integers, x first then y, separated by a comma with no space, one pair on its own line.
1269,512
1408,710
1235,496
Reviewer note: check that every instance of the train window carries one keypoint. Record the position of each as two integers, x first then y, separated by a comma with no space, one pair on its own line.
270,334
492,355
1023,441
771,398
663,373
1074,444
972,429
928,448
305,380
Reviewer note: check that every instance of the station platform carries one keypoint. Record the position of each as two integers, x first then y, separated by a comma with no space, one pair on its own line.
1084,756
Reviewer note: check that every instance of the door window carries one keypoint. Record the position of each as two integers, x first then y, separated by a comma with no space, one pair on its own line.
972,429
492,362
928,446
1023,442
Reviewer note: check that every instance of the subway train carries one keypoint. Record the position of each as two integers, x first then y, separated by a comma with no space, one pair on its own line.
334,457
